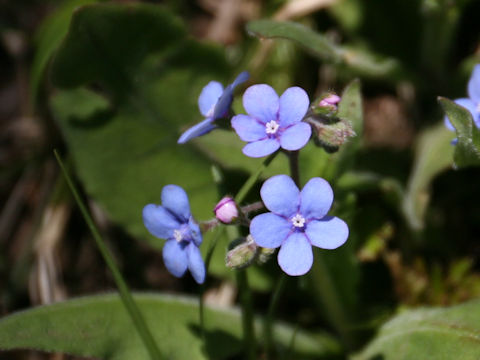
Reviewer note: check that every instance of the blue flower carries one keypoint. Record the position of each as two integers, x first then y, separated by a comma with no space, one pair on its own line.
298,220
173,221
272,122
472,103
214,103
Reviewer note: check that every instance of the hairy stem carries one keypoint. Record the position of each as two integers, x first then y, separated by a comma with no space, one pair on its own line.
243,192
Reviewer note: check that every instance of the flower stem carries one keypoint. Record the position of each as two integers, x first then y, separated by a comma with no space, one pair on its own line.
242,280
208,258
247,314
243,192
125,295
270,313
252,207
294,170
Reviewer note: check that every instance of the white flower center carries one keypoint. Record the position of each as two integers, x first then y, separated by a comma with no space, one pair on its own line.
298,221
271,127
177,234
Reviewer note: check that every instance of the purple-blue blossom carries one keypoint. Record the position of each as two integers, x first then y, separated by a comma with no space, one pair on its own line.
272,122
298,220
214,103
472,103
173,221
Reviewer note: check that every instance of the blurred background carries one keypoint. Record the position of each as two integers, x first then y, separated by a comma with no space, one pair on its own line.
414,221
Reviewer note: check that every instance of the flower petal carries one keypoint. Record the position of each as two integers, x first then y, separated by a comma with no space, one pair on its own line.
467,104
247,128
224,102
241,78
448,124
209,97
316,198
195,231
159,221
294,104
296,136
296,256
261,102
474,85
197,130
280,195
261,148
175,258
175,199
269,230
195,263
327,233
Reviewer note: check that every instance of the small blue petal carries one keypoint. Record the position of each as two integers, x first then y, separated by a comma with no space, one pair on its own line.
241,78
197,130
223,104
295,256
247,128
294,104
448,124
261,102
195,263
280,195
209,97
195,231
316,198
159,221
474,85
296,136
175,199
269,230
469,105
261,148
175,258
327,233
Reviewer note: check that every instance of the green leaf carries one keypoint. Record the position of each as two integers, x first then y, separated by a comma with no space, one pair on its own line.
467,150
48,38
433,155
106,43
125,155
359,60
123,137
435,333
98,326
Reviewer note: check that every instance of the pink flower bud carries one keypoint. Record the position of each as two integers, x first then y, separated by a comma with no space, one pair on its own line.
226,210
330,101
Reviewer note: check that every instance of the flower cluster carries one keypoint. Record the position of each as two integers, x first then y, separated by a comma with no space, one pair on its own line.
297,219
472,103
